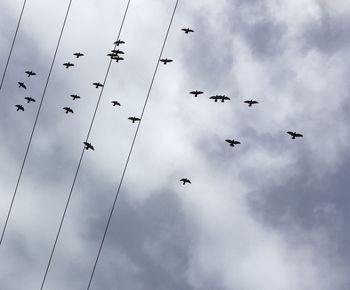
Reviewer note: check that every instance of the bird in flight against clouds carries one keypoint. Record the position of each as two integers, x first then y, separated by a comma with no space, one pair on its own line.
75,97
196,93
98,85
294,134
223,98
30,73
19,108
22,85
185,180
232,142
187,30
134,119
251,102
115,103
29,99
68,110
119,42
68,64
89,146
78,54
165,60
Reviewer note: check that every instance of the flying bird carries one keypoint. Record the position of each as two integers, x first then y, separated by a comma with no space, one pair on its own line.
75,97
89,146
19,108
134,119
294,134
117,58
30,73
251,102
117,51
219,97
68,110
97,85
118,42
185,180
187,30
165,60
29,99
196,93
22,85
78,54
115,103
232,142
68,64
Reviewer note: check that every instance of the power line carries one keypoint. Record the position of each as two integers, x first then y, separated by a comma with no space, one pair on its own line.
35,123
13,43
131,149
82,155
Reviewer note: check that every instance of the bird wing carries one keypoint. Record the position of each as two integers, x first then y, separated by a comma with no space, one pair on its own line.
298,135
290,133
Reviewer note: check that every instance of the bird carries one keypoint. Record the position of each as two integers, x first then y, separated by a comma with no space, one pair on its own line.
187,30
251,102
89,146
196,93
68,64
134,119
294,134
30,73
117,51
115,103
219,97
68,110
165,60
22,85
185,180
98,85
232,142
19,108
118,42
78,54
117,58
75,97
29,99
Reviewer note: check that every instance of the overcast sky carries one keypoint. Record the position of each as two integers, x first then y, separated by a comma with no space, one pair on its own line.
268,214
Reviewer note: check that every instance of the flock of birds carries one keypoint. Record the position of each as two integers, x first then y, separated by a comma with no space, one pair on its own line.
115,55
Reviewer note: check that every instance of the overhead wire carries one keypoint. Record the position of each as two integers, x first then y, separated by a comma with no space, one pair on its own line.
12,45
131,149
82,153
35,123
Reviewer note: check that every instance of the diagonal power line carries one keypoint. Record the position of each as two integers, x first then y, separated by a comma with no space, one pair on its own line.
35,123
131,149
12,45
82,155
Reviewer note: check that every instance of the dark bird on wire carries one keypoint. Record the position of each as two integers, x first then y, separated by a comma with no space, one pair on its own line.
219,97
89,146
29,99
115,103
22,85
165,60
68,110
30,73
78,54
118,42
117,51
187,30
75,97
19,108
232,142
117,58
196,93
134,119
185,180
294,134
251,102
68,64
97,85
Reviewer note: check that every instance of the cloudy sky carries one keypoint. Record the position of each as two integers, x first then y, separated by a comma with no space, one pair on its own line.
269,214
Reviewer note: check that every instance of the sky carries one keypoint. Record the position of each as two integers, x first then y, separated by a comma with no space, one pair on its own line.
268,214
